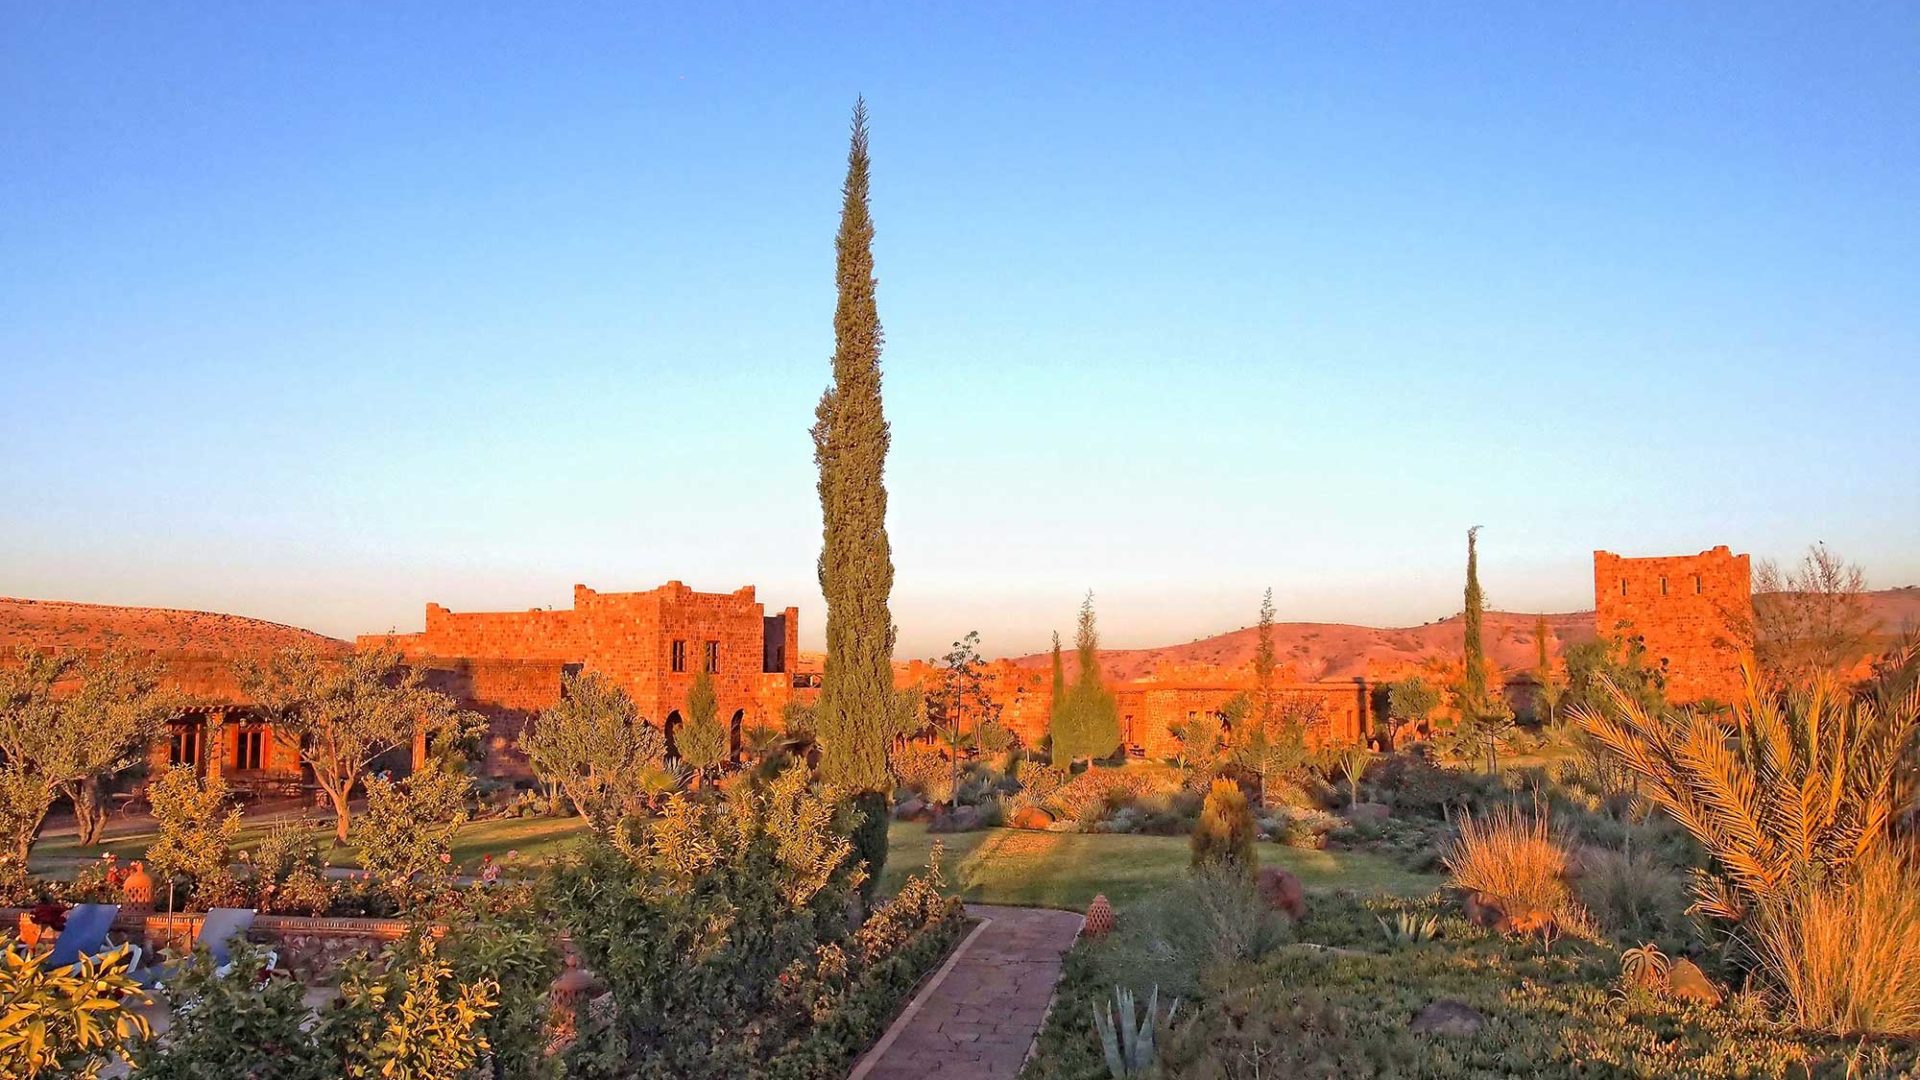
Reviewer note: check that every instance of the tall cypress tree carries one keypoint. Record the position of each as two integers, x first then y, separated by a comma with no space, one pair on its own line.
1091,720
1473,681
1059,700
850,440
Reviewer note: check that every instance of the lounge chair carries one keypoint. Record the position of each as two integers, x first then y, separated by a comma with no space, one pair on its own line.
86,935
217,932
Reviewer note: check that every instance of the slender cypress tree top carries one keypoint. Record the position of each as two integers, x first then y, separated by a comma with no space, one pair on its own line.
850,441
1474,679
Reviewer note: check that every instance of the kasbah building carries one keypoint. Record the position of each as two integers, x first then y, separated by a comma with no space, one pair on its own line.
509,666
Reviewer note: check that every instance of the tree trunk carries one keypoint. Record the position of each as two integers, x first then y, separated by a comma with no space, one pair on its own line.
342,814
89,811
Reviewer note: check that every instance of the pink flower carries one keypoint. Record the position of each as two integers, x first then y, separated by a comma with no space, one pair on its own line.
445,858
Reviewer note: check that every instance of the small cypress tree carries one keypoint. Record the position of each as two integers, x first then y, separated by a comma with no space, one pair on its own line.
855,716
1223,836
1547,687
1059,737
701,740
1090,721
1265,661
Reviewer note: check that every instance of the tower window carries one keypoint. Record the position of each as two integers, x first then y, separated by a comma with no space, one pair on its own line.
713,657
1663,585
1696,585
679,656
1623,586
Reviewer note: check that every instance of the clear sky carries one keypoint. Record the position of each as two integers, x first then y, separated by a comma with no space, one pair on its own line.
319,312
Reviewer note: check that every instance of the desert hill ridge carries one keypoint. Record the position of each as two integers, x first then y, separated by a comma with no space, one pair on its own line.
63,624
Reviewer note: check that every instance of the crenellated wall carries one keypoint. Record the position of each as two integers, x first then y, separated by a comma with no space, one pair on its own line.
1689,611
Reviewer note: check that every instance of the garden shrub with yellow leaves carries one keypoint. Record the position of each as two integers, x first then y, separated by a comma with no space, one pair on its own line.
70,1021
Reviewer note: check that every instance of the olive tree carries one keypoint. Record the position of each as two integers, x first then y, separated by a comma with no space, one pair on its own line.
594,747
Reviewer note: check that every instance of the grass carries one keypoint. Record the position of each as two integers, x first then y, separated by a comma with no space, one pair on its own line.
533,838
1513,857
1066,870
1847,954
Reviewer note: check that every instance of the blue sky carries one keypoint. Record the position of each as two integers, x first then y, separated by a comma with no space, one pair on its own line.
317,313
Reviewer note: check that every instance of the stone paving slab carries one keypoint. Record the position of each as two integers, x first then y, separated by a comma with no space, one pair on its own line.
979,1015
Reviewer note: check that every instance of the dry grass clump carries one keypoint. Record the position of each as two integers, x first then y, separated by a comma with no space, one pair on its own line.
1512,858
1846,955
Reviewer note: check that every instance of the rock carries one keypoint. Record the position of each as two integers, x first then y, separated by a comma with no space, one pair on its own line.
1484,910
1368,813
1450,1018
913,809
1030,817
1282,892
958,819
1687,982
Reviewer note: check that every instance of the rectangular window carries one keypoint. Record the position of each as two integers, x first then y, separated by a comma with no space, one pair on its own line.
248,749
1696,584
1663,586
713,657
185,748
679,656
1623,586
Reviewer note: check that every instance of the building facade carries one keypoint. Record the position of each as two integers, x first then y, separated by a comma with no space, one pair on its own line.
509,665
1691,612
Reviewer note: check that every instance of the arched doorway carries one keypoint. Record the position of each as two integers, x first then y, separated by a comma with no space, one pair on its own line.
734,727
673,726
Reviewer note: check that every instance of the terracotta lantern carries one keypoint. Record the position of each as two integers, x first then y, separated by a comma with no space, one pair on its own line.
137,889
1099,917
567,997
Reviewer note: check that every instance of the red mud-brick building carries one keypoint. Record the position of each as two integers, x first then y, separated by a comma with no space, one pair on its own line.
509,665
1689,611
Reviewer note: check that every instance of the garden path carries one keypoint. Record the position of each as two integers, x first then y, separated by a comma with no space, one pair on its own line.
977,1017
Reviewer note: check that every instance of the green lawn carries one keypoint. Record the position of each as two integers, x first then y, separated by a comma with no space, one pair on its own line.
531,838
1066,870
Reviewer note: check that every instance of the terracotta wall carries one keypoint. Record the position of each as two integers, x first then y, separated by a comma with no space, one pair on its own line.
1688,609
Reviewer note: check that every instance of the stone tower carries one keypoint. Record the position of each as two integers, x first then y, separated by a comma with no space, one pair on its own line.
1690,611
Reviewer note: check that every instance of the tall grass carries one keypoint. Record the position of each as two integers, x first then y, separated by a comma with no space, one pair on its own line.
1513,858
1846,955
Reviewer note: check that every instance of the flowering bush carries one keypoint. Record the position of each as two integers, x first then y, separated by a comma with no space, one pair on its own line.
406,836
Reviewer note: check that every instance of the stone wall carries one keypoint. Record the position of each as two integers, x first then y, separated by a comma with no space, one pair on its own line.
1688,610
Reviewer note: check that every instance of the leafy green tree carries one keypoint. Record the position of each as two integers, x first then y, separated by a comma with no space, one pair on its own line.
1089,725
963,704
198,827
346,713
1617,661
1276,750
72,742
1412,700
405,838
850,440
407,1016
593,746
240,1024
702,741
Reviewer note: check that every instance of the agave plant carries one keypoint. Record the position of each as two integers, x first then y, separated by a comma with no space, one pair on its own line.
1127,1039
1783,791
1408,928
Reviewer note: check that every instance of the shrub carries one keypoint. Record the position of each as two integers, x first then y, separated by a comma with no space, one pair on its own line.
69,1021
1846,954
406,836
1098,790
1633,895
197,830
1512,858
506,940
238,1025
406,1017
1224,834
922,769
288,875
1175,937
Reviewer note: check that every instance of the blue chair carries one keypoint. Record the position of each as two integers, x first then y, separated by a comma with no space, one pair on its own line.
85,935
218,931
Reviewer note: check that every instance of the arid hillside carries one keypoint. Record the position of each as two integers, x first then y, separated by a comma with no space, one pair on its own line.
58,624
1342,651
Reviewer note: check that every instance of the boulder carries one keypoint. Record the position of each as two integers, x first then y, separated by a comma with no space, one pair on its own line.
1030,817
913,809
957,819
1484,910
1687,982
1449,1018
1368,813
1282,892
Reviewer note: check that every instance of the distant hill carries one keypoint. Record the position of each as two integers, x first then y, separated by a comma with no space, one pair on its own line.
1343,651
58,624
